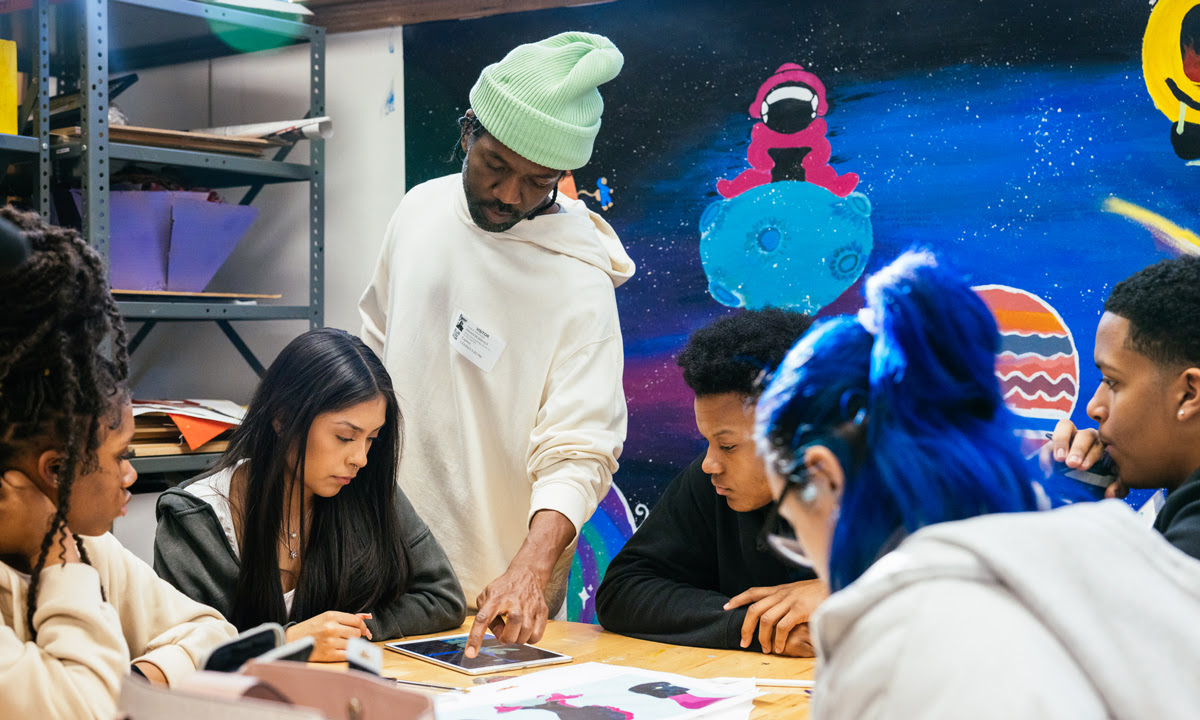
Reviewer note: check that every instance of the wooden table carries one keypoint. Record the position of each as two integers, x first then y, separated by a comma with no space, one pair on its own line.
590,643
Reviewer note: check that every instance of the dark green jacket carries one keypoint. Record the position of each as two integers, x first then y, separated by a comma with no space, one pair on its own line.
192,553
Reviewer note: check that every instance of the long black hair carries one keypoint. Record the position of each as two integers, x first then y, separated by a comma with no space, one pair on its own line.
56,383
353,555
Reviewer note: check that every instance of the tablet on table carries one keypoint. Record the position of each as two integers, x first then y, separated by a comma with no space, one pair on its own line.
493,656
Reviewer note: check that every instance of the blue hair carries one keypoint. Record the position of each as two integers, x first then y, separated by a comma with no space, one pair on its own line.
910,385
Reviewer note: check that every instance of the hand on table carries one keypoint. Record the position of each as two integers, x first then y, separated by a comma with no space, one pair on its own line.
513,607
330,632
780,616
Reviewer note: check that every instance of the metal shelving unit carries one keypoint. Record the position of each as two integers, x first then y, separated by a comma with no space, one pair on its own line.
100,37
31,29
195,462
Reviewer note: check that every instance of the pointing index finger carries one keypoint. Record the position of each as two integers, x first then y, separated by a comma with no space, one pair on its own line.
478,629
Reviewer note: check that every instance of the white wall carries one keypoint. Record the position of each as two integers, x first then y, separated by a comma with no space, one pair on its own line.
364,182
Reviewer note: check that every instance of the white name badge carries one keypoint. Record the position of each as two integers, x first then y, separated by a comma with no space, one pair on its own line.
474,343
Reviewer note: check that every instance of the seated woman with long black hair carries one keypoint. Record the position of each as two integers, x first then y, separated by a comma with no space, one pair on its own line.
301,521
885,436
78,612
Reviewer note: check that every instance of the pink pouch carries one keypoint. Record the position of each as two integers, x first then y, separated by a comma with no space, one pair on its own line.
220,695
341,694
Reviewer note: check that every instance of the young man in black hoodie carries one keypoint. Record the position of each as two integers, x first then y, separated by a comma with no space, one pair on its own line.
1148,401
697,572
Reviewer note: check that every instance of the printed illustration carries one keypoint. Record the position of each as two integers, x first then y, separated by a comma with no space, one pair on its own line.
558,705
595,691
789,141
1171,65
680,695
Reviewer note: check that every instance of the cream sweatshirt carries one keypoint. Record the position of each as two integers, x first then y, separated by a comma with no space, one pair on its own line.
84,646
1080,612
505,350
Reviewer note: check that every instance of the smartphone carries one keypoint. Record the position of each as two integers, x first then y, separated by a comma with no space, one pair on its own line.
362,655
230,655
296,651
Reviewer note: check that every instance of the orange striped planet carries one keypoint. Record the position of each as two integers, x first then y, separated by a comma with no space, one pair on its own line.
1038,364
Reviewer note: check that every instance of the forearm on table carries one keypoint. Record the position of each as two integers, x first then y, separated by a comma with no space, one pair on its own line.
666,610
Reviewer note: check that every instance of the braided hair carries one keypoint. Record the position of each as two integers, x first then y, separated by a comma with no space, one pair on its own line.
57,382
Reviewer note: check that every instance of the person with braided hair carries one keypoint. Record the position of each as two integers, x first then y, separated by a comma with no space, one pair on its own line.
893,458
79,611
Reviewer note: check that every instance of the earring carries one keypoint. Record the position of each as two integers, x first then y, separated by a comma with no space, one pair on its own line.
1182,413
808,494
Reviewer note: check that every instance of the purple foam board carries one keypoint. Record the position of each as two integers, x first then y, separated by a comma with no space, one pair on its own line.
203,234
139,237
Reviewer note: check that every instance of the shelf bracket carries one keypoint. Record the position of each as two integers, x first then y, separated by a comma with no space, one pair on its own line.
242,347
139,336
280,155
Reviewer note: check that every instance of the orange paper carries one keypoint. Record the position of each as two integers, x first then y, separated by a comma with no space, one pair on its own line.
197,431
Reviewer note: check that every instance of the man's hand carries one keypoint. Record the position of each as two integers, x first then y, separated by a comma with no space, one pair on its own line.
330,631
1078,449
780,616
513,605
799,643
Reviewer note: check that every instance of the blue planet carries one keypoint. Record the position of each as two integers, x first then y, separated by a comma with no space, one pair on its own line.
788,244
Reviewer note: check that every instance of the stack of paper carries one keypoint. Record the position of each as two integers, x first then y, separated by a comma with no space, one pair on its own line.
196,422
603,692
283,131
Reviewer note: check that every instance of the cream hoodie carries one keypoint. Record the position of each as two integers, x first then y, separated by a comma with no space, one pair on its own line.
84,646
1081,612
543,428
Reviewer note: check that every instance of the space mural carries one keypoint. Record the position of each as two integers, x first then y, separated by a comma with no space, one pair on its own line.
761,154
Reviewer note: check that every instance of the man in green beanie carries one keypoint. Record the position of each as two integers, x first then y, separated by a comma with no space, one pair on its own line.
493,306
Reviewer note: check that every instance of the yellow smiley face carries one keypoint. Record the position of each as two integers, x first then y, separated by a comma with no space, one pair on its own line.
1171,59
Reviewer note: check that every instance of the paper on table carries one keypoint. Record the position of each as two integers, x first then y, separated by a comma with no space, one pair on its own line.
285,130
609,691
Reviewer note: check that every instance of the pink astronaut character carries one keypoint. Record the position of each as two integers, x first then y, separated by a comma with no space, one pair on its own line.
789,141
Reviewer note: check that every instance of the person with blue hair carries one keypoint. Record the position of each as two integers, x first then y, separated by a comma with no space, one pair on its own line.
899,479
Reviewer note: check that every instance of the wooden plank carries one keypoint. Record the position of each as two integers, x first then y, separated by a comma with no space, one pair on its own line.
159,449
351,15
179,140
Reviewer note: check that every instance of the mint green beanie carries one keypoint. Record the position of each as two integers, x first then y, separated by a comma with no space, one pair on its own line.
541,100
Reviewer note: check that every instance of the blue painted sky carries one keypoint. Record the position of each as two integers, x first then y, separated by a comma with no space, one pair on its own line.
1001,170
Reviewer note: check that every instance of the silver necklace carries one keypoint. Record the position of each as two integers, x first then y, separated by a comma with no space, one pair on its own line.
288,540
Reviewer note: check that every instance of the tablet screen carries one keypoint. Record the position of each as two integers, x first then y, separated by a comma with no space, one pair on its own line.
493,655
